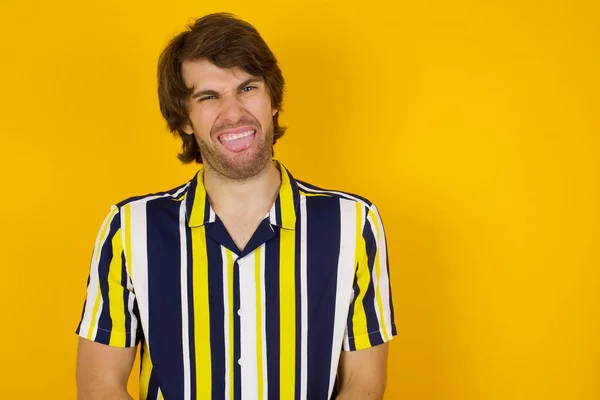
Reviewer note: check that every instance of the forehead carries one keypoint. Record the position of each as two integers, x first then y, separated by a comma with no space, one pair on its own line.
202,74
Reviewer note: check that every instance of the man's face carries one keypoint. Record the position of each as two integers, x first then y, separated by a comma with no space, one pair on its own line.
231,118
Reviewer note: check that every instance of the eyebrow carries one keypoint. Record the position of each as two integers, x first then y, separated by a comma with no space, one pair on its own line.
210,92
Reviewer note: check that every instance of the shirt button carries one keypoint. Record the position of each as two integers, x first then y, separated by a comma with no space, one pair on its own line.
239,312
240,361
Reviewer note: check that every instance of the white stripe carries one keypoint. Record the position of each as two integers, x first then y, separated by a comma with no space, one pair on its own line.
263,306
93,288
303,300
346,343
345,277
139,260
226,312
211,215
134,321
139,254
247,292
272,216
334,192
184,303
384,279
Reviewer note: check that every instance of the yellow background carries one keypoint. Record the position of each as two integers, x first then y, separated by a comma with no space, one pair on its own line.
473,125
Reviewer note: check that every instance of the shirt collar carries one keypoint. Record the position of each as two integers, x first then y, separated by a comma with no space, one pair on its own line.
282,214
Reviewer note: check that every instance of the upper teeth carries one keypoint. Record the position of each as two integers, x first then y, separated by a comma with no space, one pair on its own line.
234,136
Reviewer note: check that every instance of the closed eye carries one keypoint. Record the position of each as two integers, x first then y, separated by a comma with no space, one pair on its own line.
206,98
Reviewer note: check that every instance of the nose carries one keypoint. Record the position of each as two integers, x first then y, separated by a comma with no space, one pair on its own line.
232,108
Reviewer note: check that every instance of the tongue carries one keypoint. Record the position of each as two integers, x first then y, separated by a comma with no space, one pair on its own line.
240,144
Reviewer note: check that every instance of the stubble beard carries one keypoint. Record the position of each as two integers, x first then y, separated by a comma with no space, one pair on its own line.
240,167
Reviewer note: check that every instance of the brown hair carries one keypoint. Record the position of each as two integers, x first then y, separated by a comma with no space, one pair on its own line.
226,42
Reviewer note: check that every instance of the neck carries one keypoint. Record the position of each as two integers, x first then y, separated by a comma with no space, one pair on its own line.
234,197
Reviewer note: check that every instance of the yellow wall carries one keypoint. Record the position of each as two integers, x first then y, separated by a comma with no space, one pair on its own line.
472,124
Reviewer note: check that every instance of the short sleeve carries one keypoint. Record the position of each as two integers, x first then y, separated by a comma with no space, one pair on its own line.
371,314
110,312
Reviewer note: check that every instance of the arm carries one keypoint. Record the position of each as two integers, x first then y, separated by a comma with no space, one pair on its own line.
362,373
103,371
109,329
363,361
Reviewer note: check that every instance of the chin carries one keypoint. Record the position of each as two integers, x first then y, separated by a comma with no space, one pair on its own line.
242,166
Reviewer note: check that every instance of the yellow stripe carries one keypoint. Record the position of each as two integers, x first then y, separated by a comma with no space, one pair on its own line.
359,318
259,359
231,311
145,373
198,208
116,293
201,314
378,267
314,194
286,196
287,311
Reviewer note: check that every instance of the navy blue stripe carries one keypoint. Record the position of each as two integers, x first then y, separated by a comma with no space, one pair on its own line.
189,197
349,325
106,255
263,234
142,351
237,369
190,301
139,334
272,301
217,318
164,282
369,301
102,336
126,294
323,246
153,385
218,233
334,393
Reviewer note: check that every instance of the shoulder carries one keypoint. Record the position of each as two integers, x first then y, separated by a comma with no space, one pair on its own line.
331,195
322,202
163,198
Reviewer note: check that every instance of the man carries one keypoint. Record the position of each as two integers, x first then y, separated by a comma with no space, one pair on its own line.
244,283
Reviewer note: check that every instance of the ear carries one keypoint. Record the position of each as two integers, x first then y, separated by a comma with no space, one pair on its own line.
187,128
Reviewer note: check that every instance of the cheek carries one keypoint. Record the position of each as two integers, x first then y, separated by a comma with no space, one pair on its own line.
202,119
263,111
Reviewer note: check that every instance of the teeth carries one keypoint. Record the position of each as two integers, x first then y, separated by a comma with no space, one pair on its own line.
235,136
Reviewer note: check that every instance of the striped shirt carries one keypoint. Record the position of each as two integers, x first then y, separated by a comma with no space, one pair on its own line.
268,322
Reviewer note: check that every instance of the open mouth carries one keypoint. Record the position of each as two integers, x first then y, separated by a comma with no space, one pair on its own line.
237,141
